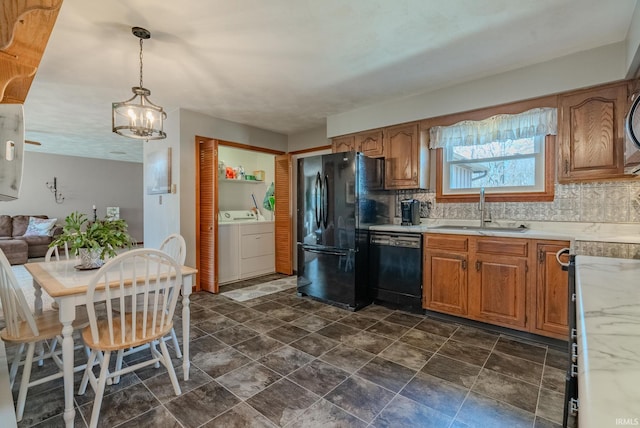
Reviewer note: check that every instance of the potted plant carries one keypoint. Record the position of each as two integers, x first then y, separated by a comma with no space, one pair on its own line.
93,241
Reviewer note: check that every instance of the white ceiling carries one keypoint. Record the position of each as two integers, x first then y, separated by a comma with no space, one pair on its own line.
285,65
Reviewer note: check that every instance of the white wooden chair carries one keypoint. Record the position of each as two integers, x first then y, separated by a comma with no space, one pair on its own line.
57,253
156,277
176,247
25,328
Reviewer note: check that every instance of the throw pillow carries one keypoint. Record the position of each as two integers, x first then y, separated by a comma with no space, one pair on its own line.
40,226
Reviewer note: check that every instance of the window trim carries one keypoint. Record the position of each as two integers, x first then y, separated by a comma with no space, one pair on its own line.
546,195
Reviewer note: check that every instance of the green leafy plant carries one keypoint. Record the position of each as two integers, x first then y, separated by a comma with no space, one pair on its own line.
105,236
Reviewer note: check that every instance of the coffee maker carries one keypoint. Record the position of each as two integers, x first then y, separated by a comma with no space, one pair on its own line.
410,209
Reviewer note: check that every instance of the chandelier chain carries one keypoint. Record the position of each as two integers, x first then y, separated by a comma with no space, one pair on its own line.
141,63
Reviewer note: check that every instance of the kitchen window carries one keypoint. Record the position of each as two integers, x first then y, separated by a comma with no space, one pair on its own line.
511,156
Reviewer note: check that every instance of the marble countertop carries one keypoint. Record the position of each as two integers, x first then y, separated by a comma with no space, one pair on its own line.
529,233
608,318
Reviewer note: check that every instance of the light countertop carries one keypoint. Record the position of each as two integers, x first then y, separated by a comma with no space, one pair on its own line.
608,321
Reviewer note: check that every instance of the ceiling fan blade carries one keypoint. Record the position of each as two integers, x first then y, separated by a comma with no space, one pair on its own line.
35,143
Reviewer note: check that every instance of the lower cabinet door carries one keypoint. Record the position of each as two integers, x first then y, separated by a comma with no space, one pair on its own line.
445,282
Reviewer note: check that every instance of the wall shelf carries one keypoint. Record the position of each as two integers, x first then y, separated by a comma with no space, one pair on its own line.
225,180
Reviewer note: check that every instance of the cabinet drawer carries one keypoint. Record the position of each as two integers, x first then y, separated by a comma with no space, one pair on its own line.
257,266
505,246
259,244
250,229
446,242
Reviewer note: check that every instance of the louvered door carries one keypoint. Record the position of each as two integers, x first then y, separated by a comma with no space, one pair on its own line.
207,207
283,214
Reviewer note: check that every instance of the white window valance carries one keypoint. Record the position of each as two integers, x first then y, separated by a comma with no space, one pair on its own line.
503,127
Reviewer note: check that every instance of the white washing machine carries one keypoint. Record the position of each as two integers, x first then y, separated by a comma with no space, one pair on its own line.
229,243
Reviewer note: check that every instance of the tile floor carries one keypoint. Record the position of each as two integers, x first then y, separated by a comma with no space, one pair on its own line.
282,360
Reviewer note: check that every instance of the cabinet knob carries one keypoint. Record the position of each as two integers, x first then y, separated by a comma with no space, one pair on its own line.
478,265
464,265
566,166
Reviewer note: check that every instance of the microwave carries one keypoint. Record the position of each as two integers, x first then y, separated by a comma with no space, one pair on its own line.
632,138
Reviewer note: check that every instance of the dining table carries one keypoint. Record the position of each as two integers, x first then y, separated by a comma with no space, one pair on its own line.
66,282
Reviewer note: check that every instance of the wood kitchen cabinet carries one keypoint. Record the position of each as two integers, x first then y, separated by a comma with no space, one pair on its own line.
370,143
551,303
510,282
498,281
591,133
445,273
406,157
345,143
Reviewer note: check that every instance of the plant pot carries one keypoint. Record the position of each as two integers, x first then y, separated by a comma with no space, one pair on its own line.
90,258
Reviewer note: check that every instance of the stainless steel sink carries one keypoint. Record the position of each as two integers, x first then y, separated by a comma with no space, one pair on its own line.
480,229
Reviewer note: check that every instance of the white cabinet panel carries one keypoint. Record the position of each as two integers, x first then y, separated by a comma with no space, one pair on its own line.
228,252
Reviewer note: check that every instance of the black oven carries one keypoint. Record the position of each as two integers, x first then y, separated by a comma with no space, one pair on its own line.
571,376
395,261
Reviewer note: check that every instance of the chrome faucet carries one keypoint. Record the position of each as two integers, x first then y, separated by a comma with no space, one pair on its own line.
481,207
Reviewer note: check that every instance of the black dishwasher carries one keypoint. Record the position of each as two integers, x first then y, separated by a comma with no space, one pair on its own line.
395,261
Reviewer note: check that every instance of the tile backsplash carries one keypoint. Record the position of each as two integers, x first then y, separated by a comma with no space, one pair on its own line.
610,202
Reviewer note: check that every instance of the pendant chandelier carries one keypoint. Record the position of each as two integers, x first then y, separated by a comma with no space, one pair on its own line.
138,117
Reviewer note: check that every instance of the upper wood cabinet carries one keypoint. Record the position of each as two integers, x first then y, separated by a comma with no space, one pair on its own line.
406,157
370,143
591,132
343,144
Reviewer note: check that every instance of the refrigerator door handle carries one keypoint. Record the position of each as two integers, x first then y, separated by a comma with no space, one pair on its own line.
331,252
318,201
325,205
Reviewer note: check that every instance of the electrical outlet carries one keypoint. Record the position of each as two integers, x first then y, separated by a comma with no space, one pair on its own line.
160,199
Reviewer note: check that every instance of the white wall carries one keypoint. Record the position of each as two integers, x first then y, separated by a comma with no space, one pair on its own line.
83,182
316,137
633,45
587,68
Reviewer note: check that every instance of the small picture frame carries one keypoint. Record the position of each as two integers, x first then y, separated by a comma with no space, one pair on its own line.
113,213
158,167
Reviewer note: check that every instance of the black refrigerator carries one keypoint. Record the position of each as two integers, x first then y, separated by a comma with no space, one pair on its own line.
336,206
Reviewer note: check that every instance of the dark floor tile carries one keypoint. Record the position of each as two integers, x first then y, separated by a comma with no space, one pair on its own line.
216,323
543,423
360,397
203,346
458,372
386,373
507,389
434,326
476,337
56,421
268,306
162,388
248,380
240,416
436,393
258,346
464,352
228,308
244,315
201,405
285,360
309,305
553,379
287,333
376,311
332,313
235,334
481,412
263,324
282,402
403,412
285,314
318,377
43,406
311,322
404,319
423,340
551,405
557,359
314,344
325,414
287,299
156,417
198,315
521,349
122,405
347,358
525,370
369,342
406,355
388,329
361,322
218,363
339,332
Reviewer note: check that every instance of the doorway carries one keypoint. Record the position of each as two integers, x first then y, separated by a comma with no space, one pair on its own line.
215,192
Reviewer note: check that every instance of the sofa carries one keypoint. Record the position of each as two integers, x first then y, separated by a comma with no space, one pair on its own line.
20,244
